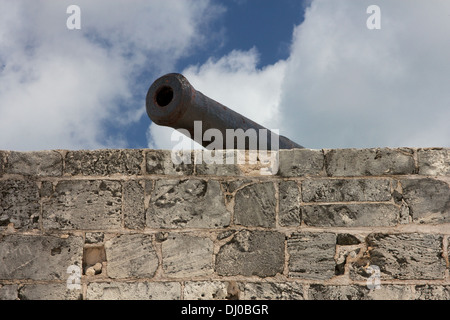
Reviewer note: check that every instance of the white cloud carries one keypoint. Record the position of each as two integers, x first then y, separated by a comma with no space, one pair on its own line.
348,86
235,81
343,84
59,87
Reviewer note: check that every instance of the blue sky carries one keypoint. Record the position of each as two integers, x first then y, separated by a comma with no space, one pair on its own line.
264,24
311,69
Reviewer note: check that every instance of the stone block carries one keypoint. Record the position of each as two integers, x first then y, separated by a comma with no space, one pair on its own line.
50,291
46,189
271,291
133,291
311,255
164,162
104,162
133,204
233,185
3,156
369,162
391,292
330,292
434,162
131,255
358,292
217,163
205,290
84,204
94,237
351,215
192,203
19,204
301,162
187,256
39,257
255,205
252,253
432,292
402,256
343,190
9,292
256,162
289,210
35,163
428,200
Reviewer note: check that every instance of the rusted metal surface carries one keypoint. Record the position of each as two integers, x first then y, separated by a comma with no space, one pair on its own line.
172,101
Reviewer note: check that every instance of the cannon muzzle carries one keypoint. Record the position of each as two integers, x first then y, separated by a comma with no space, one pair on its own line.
172,101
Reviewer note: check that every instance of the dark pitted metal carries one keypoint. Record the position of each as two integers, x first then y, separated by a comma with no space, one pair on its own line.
172,101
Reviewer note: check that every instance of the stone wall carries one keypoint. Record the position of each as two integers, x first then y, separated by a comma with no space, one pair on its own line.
129,224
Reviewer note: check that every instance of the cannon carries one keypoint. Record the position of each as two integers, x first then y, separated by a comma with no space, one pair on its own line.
172,101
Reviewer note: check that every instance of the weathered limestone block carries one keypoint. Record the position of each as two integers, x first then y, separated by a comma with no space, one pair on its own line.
301,162
289,197
217,163
19,204
271,291
369,162
84,204
391,292
9,292
187,256
232,186
351,215
428,200
330,292
35,163
133,291
434,162
402,256
342,190
358,292
46,189
94,237
103,162
38,257
311,255
255,205
50,291
189,203
249,253
432,292
133,204
3,155
161,162
205,290
131,255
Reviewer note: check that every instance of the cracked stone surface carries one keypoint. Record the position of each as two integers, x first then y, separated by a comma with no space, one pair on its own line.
402,256
189,203
259,253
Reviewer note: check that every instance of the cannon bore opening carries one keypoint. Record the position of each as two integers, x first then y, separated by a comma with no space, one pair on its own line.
164,96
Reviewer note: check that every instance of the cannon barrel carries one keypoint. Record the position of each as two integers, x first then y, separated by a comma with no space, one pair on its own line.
172,101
